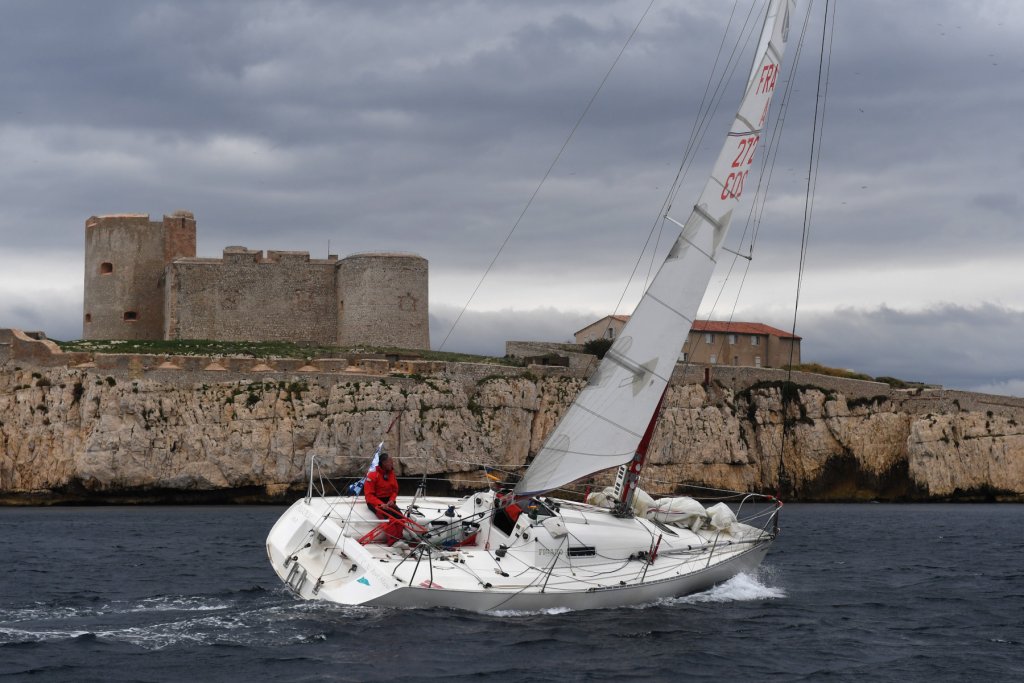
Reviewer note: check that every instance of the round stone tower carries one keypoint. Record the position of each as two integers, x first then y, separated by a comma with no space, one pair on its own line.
382,300
125,256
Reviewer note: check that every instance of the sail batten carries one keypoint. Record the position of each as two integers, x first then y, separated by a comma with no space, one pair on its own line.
604,425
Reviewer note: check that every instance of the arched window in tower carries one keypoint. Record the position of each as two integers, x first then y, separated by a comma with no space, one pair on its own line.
88,317
106,268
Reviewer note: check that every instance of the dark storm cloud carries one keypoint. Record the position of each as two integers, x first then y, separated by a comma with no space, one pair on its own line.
425,126
1006,203
964,347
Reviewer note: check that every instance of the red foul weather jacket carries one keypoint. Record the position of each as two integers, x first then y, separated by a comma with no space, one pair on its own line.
379,490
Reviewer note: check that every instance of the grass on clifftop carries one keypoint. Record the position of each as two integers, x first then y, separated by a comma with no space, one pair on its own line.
205,347
818,369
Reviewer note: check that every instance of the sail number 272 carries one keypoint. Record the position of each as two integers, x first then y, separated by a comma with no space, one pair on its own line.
733,187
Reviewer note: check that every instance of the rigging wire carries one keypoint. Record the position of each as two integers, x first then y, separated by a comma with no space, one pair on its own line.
756,213
757,206
697,132
821,100
547,173
705,116
704,120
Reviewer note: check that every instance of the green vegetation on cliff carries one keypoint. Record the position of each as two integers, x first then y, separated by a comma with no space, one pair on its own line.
206,347
819,369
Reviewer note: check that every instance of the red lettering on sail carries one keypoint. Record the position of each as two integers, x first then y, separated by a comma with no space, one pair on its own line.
739,155
750,148
745,155
769,74
733,187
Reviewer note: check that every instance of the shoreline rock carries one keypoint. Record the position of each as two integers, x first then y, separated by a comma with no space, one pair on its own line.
86,435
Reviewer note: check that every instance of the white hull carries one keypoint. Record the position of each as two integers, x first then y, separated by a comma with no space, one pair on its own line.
576,556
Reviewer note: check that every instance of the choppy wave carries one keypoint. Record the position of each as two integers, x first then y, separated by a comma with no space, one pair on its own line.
527,613
166,603
253,618
742,587
151,622
824,610
260,619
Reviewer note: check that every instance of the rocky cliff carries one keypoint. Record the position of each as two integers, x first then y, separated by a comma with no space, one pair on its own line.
87,434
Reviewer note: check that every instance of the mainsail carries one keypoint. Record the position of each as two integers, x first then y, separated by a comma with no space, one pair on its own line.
603,427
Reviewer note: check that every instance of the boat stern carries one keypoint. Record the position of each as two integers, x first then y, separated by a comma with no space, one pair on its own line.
317,557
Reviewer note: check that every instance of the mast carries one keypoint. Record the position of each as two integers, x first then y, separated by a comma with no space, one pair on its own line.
607,422
628,478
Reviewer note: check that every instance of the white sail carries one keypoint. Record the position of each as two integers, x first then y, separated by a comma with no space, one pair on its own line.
605,424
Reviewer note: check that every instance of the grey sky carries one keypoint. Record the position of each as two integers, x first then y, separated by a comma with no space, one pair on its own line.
425,126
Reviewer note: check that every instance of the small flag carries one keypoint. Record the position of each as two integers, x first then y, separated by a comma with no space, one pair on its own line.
356,487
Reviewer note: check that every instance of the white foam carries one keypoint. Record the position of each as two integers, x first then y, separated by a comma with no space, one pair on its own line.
173,620
178,604
740,588
528,613
14,635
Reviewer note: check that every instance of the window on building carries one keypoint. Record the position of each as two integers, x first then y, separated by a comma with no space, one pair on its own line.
106,268
709,339
88,317
754,341
130,316
732,338
610,333
735,360
757,361
713,359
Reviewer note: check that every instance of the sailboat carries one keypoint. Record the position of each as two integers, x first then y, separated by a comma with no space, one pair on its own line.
521,549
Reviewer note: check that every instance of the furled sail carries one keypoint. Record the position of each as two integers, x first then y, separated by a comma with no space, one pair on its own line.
603,427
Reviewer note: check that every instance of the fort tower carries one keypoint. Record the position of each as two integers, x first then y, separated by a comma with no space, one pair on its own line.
382,300
125,257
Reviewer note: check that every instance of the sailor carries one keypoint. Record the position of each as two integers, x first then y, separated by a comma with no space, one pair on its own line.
506,510
381,492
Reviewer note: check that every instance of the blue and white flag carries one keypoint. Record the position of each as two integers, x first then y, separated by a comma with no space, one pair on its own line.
356,487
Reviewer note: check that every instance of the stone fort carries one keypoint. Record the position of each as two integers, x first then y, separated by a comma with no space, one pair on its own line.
143,281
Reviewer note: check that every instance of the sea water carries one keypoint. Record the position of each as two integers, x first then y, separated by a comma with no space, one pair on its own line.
848,592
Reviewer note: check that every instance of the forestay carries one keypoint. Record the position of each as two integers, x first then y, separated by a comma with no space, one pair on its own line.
605,424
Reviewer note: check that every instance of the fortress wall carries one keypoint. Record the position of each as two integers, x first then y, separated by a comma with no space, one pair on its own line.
179,236
133,246
740,377
245,297
520,349
580,363
382,301
16,345
143,281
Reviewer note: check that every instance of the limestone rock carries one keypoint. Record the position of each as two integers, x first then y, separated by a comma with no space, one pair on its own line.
80,429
